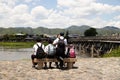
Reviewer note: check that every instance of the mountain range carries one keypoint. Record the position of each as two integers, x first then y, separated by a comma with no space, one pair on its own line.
107,30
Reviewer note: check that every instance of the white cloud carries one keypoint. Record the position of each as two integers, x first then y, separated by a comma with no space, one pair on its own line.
40,12
21,19
74,3
115,23
87,12
10,3
117,17
4,10
104,8
67,13
20,9
20,15
54,19
28,1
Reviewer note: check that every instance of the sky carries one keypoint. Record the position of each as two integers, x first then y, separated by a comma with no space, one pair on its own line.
59,13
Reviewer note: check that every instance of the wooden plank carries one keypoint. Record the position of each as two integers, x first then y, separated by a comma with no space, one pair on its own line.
69,65
40,65
70,59
48,60
70,62
55,60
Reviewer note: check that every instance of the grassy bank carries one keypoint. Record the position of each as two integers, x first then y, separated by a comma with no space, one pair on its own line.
18,44
113,53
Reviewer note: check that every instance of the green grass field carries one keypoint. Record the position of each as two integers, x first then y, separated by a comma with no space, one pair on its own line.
18,44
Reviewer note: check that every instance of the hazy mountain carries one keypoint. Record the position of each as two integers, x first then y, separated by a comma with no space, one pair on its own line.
16,30
28,30
107,30
83,27
42,30
78,29
110,28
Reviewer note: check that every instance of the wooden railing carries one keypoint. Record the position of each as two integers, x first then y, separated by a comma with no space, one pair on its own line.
96,38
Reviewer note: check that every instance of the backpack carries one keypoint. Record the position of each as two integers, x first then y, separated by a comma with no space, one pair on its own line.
61,43
51,50
72,52
60,50
40,52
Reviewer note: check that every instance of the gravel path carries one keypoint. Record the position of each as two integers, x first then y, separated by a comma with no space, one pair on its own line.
85,69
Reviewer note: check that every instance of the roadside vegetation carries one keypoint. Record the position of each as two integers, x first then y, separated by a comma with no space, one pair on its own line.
113,53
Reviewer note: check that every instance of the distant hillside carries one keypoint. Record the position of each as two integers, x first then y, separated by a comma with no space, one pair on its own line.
16,30
42,30
78,29
110,28
28,30
107,30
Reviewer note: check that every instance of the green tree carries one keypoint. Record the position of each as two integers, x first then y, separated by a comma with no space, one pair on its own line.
90,32
6,37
